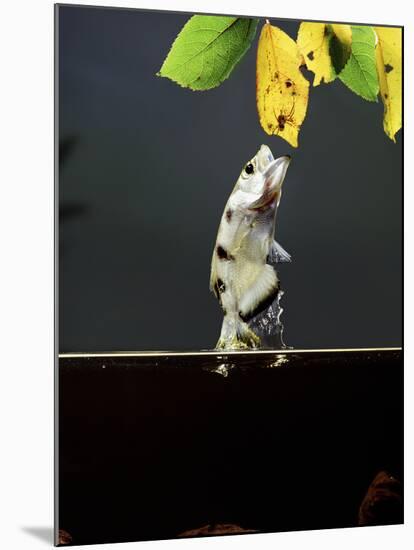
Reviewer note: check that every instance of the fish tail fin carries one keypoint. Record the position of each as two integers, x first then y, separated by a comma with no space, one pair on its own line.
237,335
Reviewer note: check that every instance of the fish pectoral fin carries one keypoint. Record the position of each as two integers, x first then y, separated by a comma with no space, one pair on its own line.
260,294
278,254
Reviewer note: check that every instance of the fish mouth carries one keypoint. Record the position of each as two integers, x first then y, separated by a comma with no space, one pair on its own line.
274,176
276,171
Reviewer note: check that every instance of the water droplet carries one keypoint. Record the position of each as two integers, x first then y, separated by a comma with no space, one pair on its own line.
224,369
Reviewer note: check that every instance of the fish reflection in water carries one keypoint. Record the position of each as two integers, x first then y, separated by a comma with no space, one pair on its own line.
227,365
224,369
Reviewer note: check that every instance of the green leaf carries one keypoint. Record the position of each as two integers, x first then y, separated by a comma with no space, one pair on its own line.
207,49
360,74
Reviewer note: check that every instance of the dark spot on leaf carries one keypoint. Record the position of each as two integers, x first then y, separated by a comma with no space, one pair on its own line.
281,121
388,68
229,214
293,92
311,56
288,83
386,96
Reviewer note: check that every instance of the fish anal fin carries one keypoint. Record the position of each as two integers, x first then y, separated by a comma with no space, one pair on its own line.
260,294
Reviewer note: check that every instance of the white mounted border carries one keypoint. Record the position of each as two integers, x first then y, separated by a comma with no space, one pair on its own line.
27,302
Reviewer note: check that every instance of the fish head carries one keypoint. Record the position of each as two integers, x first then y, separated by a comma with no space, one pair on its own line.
261,179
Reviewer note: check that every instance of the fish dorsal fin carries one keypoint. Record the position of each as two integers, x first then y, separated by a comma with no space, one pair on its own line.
260,293
278,254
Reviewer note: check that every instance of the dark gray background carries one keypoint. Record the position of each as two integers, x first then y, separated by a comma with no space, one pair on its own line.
146,168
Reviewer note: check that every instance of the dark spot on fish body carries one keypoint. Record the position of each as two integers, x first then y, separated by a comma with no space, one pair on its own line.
229,214
311,56
388,68
223,254
216,291
221,286
264,304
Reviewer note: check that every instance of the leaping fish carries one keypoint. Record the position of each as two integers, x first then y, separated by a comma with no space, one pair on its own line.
243,276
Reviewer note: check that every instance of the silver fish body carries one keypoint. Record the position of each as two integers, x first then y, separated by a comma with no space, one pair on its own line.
243,276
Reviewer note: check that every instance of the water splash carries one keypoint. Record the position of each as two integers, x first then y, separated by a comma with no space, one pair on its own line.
268,325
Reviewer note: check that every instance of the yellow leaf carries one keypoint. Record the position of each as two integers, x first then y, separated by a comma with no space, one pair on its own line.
389,67
343,33
281,89
313,43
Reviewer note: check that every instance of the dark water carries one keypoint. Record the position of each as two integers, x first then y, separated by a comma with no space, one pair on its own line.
154,446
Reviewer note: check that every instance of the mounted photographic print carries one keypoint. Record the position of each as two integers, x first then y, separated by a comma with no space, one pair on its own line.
229,279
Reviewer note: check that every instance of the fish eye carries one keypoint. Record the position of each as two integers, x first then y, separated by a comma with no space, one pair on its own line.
249,168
